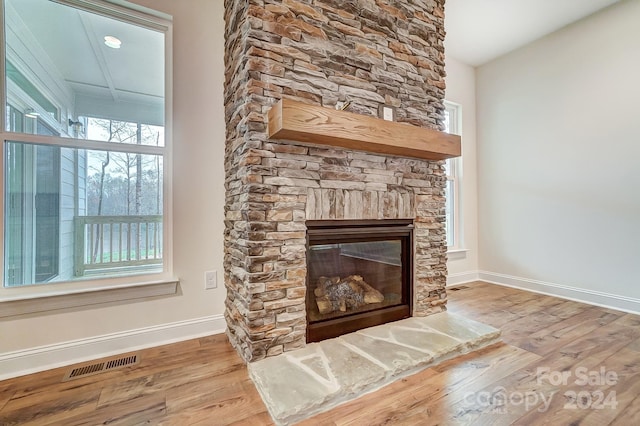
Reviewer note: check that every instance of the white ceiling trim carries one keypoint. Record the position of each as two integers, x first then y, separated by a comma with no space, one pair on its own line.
93,38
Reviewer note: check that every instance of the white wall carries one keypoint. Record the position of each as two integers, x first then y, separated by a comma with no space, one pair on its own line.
198,137
461,90
559,161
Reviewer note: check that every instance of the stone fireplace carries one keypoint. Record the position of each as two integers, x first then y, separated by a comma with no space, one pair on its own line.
366,52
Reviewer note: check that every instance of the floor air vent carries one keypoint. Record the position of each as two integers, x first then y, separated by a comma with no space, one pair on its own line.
461,287
101,367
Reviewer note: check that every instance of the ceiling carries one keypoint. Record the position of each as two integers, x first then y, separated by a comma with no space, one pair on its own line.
481,30
477,32
69,44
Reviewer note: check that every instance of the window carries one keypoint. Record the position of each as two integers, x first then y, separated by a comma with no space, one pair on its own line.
84,143
452,169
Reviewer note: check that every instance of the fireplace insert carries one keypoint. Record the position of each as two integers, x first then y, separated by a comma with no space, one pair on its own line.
359,274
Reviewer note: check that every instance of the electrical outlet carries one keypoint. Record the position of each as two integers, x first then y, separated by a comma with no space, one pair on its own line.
210,280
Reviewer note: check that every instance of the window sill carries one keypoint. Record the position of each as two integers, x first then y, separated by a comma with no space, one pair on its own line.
457,253
43,302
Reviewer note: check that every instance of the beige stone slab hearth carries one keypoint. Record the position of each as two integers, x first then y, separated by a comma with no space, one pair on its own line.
299,384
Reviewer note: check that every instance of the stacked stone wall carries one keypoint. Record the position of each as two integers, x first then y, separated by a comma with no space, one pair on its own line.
321,52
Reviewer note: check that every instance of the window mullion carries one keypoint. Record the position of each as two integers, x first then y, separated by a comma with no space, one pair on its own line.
84,143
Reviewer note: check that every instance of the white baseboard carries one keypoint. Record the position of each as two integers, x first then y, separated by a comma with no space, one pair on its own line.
19,363
461,278
598,298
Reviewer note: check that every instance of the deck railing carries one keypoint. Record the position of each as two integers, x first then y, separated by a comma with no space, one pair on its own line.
108,242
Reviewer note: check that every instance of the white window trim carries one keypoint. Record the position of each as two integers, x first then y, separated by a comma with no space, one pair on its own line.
61,295
50,301
455,175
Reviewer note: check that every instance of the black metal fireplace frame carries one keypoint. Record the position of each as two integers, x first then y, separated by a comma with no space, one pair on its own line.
346,231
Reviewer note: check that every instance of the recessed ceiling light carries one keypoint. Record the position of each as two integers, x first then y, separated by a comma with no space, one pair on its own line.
31,113
112,42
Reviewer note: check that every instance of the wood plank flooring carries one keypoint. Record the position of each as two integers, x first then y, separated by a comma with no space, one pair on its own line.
204,382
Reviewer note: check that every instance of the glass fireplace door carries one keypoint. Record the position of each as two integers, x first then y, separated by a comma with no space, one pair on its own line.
359,274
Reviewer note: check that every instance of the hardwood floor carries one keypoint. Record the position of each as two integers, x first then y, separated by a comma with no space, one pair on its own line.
520,381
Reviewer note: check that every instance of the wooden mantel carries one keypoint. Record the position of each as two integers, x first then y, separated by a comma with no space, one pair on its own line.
297,121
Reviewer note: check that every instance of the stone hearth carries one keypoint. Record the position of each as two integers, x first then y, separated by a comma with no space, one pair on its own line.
303,383
322,52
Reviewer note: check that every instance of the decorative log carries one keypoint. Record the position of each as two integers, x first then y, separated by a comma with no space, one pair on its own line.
335,294
373,297
324,305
